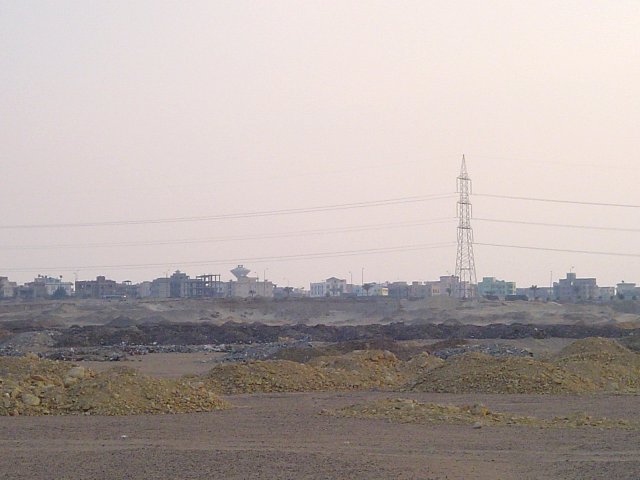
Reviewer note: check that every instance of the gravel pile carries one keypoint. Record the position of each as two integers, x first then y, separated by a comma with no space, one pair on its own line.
357,370
495,350
479,373
605,362
267,376
31,386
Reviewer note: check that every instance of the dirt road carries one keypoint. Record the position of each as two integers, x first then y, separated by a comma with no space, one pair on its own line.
283,437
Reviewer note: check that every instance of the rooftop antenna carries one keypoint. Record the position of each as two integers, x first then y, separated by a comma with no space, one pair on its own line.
465,262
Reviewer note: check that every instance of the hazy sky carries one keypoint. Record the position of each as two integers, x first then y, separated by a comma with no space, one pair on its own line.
121,110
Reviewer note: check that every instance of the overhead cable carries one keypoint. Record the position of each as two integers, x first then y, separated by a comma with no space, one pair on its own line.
560,225
555,200
263,213
302,256
562,250
185,241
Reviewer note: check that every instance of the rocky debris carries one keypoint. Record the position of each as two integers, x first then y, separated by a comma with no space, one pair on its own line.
480,373
112,353
403,350
31,386
30,340
494,350
477,415
263,351
605,362
357,370
267,376
606,366
252,333
631,342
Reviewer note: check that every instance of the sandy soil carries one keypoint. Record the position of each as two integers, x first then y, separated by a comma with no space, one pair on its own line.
283,437
163,365
312,311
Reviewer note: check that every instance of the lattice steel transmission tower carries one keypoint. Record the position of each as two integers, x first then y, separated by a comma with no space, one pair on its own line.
465,263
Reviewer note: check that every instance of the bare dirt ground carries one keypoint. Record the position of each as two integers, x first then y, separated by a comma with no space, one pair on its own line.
313,311
283,436
163,365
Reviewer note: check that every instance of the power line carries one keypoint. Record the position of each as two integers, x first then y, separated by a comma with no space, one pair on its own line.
563,250
304,256
184,241
555,200
264,213
560,225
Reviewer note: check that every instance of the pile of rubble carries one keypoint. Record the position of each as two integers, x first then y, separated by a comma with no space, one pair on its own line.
266,376
588,365
357,370
478,415
604,362
479,373
31,386
494,349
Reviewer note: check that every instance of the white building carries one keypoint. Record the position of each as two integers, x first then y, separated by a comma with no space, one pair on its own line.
374,290
627,291
331,287
248,287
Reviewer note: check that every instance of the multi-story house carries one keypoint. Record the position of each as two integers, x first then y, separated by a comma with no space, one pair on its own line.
491,287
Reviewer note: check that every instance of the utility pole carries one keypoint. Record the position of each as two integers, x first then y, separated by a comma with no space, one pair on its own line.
465,262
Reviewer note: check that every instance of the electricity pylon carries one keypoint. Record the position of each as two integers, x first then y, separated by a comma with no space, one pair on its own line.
465,263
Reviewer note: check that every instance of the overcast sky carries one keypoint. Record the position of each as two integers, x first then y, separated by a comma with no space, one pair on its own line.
144,110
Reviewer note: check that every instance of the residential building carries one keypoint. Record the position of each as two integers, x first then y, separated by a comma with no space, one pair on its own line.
491,287
7,288
98,288
627,291
331,287
572,288
44,286
419,290
183,286
445,286
144,289
160,288
289,292
375,290
399,289
606,294
536,293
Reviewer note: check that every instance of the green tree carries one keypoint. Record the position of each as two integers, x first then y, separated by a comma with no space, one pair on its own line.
59,294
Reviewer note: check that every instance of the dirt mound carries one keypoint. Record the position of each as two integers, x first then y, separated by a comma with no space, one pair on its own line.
411,411
357,370
267,376
594,345
632,343
479,373
421,363
29,386
606,363
30,341
364,369
402,350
